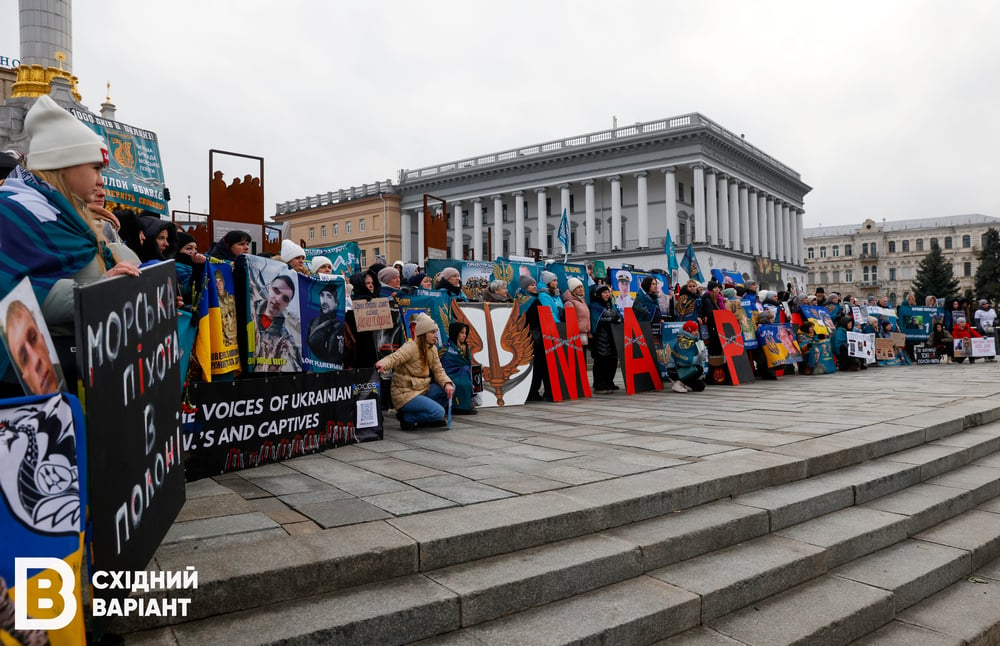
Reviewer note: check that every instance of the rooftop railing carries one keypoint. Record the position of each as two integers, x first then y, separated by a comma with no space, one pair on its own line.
335,197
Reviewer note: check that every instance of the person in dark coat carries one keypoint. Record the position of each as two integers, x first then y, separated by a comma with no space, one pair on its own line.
603,316
540,368
457,362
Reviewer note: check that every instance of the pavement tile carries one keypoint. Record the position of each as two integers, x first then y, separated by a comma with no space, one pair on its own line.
408,502
335,513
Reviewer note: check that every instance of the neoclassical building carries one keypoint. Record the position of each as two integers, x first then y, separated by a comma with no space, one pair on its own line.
882,257
622,189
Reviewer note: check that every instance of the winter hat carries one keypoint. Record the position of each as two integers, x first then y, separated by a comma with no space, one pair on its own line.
422,324
729,292
691,327
184,239
598,289
548,277
387,274
290,251
416,279
448,272
318,262
574,283
57,139
983,301
409,269
960,320
526,281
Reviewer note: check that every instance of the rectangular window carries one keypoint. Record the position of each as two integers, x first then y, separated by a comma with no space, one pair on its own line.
506,246
966,241
364,254
848,276
892,273
822,253
361,226
947,242
892,246
322,231
312,233
680,190
875,274
864,249
812,278
548,206
347,229
920,244
823,278
864,273
836,252
504,213
375,251
874,250
336,230
836,275
847,250
967,269
906,246
572,204
465,217
811,253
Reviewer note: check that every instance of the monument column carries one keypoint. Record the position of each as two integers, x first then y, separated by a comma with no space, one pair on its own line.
588,191
405,222
670,197
616,212
456,222
642,208
723,188
711,234
698,235
519,223
497,226
734,214
477,228
543,225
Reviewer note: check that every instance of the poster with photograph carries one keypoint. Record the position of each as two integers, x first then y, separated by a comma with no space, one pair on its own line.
274,324
323,306
861,346
26,338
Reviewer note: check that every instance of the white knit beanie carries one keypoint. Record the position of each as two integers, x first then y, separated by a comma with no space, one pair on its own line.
318,262
574,283
57,139
422,324
290,251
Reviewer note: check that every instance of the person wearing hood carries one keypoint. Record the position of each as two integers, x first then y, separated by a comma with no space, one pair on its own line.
806,337
604,315
709,304
46,231
231,246
420,280
647,305
450,280
389,279
407,272
549,296
294,256
159,237
845,362
963,330
833,306
685,352
528,297
416,366
941,340
457,362
190,266
363,286
574,302
321,266
689,302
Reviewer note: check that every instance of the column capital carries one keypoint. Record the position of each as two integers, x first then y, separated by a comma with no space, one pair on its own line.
588,182
751,188
541,189
615,178
496,196
698,166
722,176
563,186
668,169
477,200
640,173
519,193
711,171
739,183
455,203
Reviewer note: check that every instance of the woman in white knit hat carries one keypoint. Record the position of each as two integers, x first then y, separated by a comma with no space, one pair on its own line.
416,366
45,231
294,256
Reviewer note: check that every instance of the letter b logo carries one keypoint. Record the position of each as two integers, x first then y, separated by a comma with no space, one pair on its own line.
40,595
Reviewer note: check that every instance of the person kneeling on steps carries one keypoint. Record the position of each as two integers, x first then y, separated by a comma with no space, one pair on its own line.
417,399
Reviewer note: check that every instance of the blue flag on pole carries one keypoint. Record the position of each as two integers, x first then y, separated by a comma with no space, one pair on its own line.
689,263
564,232
668,248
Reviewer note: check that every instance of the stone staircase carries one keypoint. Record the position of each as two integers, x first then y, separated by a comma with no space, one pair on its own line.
890,536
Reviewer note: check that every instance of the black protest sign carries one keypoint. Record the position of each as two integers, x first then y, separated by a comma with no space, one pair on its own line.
129,361
250,422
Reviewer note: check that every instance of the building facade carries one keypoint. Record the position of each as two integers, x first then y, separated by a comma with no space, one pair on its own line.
368,215
882,258
622,190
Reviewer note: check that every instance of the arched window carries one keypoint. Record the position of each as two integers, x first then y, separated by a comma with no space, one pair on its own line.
966,241
906,246
920,244
836,252
947,242
810,253
822,252
892,246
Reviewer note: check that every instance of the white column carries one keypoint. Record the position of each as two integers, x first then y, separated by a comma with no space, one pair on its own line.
799,242
418,257
699,203
643,208
762,224
754,246
497,226
779,240
405,220
616,211
588,199
744,218
456,221
723,187
734,214
670,197
711,233
786,232
519,223
770,229
477,228
772,236
563,206
543,225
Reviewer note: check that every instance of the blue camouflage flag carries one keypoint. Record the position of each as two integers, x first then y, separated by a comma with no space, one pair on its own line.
668,248
689,263
564,232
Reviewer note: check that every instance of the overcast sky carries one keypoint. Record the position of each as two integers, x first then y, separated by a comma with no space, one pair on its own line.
888,109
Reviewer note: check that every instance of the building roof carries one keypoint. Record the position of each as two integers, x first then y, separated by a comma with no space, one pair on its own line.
969,219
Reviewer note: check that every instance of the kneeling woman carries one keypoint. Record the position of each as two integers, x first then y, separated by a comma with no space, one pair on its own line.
417,399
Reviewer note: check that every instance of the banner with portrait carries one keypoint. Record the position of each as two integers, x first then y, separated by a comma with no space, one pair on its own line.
43,482
822,322
26,339
323,306
624,285
916,322
779,345
281,417
272,313
727,278
216,344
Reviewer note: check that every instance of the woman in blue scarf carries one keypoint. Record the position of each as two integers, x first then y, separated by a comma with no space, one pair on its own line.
44,230
457,362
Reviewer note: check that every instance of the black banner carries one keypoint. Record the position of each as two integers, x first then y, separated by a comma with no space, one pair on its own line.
129,360
250,422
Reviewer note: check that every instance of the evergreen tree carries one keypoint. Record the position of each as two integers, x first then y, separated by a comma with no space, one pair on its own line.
935,277
988,272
